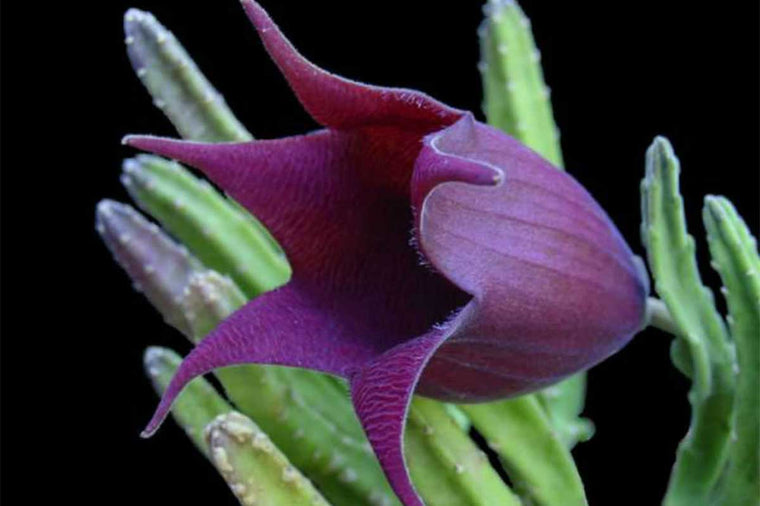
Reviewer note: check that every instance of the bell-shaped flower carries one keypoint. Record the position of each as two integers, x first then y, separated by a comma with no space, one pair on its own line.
431,253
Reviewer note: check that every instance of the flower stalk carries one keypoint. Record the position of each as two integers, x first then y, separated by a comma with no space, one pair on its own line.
659,316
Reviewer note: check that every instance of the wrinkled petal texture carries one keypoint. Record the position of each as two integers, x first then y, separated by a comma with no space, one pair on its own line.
381,392
429,252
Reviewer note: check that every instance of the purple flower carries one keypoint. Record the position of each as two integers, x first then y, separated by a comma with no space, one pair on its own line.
511,278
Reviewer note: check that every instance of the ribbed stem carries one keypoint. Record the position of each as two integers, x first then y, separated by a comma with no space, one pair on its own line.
702,349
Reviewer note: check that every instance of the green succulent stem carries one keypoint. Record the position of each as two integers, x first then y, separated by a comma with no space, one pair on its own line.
157,265
254,468
702,349
563,403
538,462
734,256
447,467
516,98
175,82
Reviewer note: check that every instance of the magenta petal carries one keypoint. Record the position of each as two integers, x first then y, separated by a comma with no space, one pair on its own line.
381,392
282,182
327,198
556,288
339,102
284,327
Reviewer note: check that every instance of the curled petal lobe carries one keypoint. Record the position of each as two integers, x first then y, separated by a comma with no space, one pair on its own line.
556,288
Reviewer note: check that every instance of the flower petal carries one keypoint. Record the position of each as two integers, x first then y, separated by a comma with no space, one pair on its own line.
345,230
339,102
288,327
282,182
556,288
381,392
343,226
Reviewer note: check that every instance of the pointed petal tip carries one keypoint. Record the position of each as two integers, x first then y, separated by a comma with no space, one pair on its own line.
252,6
429,172
259,17
151,143
152,357
137,140
155,422
336,101
189,152
256,12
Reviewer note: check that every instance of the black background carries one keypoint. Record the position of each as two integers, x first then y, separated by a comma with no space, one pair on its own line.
74,396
